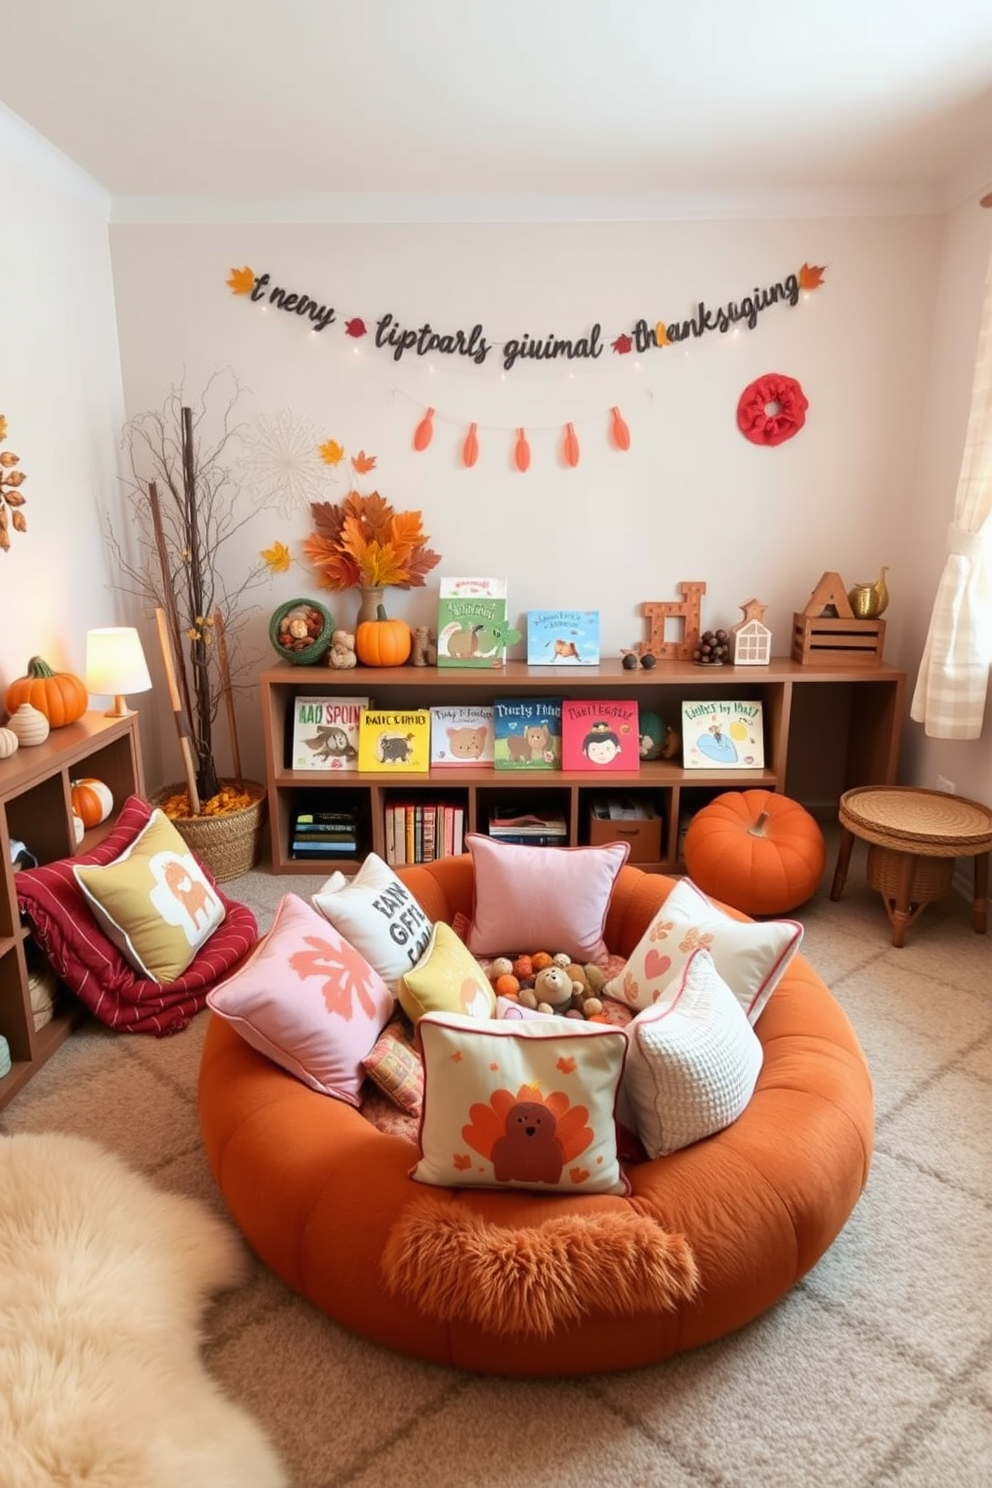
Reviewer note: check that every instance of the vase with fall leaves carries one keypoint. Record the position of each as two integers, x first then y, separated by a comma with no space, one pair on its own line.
363,543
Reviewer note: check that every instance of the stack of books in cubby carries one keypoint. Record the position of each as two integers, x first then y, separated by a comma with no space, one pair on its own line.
420,831
538,827
320,831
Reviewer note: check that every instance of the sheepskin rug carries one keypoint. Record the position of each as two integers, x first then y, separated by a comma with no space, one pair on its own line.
104,1280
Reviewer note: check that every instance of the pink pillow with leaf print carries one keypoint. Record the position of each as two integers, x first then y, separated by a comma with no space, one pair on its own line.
308,1000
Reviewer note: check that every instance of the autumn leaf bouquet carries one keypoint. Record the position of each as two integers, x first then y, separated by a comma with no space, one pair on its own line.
363,542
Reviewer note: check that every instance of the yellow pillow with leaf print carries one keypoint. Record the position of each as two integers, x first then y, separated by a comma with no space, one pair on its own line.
154,901
446,979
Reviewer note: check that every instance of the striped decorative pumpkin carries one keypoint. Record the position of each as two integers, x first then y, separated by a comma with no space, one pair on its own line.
92,801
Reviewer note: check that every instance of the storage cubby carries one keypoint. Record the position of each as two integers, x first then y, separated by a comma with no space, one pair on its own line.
36,810
826,729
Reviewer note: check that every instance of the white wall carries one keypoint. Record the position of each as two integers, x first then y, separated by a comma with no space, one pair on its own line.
60,391
691,500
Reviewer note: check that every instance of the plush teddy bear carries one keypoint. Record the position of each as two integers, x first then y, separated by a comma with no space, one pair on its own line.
342,652
553,989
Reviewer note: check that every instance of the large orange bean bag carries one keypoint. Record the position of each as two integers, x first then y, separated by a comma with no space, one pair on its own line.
709,1237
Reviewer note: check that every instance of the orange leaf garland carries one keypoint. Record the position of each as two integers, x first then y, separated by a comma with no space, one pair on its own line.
424,432
363,463
570,447
470,449
811,276
521,452
620,431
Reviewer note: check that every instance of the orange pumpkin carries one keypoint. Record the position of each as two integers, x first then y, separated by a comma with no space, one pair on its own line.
383,642
760,852
92,801
61,696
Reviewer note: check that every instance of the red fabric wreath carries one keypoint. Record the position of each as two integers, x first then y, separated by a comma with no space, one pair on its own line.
787,398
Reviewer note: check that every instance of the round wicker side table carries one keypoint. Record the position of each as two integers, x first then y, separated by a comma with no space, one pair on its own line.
913,837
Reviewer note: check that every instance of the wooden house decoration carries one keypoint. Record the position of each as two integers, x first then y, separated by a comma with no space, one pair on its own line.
752,639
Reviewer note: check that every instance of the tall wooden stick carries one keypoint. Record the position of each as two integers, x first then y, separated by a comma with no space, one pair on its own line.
185,747
168,594
225,682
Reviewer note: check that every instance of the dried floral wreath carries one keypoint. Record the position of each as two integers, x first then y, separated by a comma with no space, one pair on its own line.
11,499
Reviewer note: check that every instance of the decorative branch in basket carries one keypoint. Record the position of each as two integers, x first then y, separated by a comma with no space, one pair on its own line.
184,509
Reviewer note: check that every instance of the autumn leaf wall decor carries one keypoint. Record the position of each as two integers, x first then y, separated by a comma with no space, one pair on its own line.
12,516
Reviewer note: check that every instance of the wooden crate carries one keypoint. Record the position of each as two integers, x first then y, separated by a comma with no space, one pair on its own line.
837,642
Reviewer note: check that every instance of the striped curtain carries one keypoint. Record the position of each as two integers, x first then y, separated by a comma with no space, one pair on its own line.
951,686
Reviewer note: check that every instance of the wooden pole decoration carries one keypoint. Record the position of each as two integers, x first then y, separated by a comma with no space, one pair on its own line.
185,748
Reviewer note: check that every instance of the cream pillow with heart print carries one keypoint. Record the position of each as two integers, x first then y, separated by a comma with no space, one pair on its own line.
154,901
750,955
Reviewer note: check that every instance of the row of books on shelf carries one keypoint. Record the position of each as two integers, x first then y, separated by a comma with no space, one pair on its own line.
596,735
420,831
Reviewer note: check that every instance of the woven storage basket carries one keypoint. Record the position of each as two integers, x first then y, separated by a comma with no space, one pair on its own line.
932,877
230,844
310,655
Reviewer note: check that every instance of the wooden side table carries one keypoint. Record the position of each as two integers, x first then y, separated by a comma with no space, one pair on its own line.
913,837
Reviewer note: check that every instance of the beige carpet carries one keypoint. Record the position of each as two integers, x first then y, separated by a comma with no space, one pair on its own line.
876,1370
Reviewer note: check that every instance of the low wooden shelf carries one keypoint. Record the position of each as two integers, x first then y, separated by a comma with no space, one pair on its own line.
826,729
36,809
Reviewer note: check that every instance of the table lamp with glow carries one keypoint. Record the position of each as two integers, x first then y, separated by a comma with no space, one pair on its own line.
115,665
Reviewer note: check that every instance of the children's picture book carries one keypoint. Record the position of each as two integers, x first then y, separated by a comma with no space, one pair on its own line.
472,628
527,733
397,742
722,736
600,734
462,737
562,637
325,732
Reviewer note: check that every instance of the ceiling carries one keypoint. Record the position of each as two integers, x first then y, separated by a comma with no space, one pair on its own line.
508,109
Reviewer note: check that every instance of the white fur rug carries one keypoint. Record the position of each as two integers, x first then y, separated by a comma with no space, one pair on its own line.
104,1280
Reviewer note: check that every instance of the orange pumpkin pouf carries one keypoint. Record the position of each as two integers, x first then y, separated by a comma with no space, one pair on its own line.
760,852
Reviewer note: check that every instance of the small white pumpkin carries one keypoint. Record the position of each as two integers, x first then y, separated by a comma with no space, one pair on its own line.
9,743
78,829
29,724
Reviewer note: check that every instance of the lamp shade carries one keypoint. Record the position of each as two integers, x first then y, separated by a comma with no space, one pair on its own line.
115,664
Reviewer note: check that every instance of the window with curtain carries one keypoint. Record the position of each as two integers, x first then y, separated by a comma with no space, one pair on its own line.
951,686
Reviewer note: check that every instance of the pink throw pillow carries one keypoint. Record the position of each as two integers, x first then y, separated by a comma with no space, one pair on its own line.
307,1000
542,898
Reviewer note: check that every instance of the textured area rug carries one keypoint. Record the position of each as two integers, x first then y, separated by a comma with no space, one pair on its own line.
104,1280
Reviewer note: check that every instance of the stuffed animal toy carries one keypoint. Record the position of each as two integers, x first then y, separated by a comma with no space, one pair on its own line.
342,652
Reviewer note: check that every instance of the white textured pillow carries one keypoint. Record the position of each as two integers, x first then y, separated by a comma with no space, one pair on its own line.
520,1104
750,955
376,912
693,1065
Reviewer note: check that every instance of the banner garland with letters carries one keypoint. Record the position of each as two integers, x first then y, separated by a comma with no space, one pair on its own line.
644,335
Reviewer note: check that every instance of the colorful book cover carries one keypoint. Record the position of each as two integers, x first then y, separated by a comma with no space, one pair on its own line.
462,736
722,736
472,628
562,637
325,732
600,734
395,742
527,734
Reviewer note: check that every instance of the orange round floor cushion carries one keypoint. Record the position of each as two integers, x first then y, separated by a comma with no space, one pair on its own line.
534,1283
761,852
